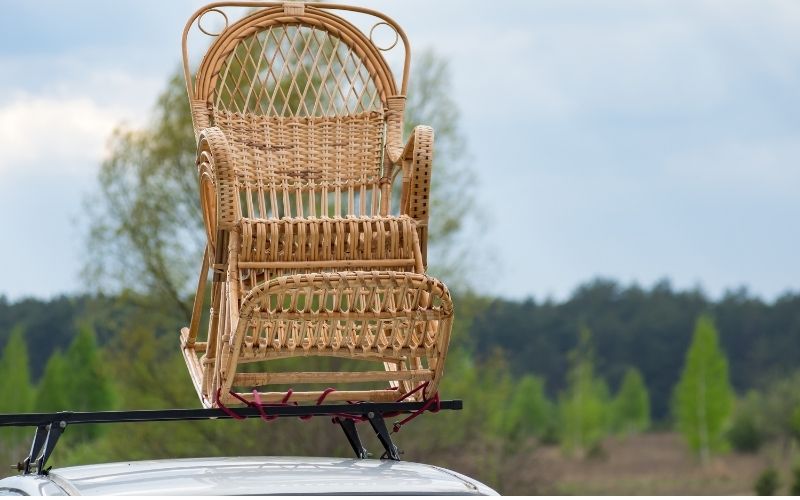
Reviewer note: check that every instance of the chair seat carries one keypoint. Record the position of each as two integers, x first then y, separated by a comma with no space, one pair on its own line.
397,319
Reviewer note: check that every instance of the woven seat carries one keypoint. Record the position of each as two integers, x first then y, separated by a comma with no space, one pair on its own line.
299,124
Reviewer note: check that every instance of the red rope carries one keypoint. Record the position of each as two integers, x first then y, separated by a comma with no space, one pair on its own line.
413,391
257,400
434,400
225,408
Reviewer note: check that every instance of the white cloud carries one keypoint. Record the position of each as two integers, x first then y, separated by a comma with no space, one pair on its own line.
44,134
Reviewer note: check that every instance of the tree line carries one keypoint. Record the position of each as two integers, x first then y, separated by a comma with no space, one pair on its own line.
136,364
648,329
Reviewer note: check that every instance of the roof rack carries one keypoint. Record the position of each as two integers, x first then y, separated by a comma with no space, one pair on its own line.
50,426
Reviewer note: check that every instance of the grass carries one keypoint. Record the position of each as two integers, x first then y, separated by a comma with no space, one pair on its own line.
657,463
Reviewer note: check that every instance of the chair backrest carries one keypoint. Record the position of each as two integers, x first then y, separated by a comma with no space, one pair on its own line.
308,105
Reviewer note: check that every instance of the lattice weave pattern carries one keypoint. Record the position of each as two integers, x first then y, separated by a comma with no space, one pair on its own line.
295,70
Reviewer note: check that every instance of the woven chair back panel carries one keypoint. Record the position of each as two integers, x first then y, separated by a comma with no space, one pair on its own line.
273,248
295,70
309,157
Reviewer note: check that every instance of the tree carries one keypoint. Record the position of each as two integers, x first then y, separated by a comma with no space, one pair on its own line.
15,388
145,224
89,388
632,404
529,412
583,408
704,397
53,392
87,385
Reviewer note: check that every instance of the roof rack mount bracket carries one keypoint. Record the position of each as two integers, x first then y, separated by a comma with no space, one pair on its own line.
348,425
42,446
379,426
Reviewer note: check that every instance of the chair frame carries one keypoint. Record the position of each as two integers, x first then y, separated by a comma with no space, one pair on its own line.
382,290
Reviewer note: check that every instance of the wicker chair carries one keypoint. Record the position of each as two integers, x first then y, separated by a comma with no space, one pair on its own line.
299,124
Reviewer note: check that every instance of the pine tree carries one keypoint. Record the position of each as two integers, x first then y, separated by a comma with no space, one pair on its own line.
87,387
703,398
53,394
16,392
632,404
583,409
529,412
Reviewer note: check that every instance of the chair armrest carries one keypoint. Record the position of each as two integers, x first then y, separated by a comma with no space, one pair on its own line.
218,197
417,163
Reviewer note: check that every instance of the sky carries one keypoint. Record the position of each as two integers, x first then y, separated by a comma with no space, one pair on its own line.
631,140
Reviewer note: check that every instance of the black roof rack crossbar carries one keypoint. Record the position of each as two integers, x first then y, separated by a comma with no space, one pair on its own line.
50,426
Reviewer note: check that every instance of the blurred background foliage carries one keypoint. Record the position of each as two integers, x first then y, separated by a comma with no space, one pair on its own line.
549,386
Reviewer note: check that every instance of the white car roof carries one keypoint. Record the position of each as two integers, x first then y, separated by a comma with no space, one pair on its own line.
264,476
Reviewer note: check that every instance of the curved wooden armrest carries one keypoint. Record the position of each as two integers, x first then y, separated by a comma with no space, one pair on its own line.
215,161
218,197
417,163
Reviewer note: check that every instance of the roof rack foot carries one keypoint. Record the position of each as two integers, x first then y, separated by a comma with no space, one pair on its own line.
349,428
36,447
379,426
54,431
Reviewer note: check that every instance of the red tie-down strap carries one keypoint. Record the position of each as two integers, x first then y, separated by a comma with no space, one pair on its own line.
256,403
433,405
432,402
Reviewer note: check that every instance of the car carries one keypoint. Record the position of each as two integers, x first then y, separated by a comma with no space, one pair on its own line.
247,476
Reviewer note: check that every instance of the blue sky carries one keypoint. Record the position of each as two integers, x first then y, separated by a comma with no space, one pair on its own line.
625,139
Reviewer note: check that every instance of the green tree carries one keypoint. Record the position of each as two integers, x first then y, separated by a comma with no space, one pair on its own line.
632,404
583,408
89,387
145,225
53,392
15,388
529,412
703,397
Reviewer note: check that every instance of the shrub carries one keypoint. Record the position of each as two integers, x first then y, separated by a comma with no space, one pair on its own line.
768,482
745,435
795,489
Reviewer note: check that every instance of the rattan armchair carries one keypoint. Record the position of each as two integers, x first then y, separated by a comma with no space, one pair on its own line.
299,124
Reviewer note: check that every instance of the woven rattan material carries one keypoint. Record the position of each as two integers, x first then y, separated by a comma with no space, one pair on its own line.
304,153
299,125
305,241
295,70
379,312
